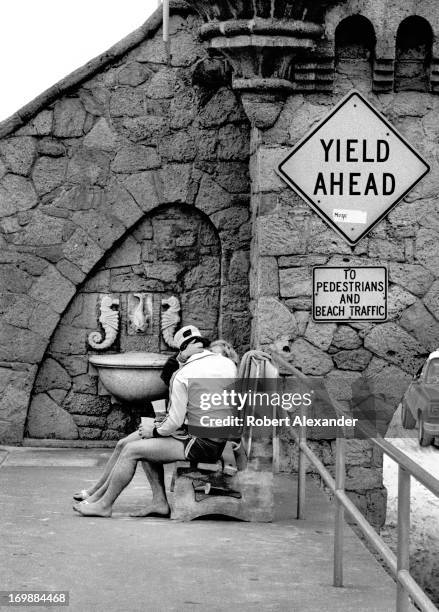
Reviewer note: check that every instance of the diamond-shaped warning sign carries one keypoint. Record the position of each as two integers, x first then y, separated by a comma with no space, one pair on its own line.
353,168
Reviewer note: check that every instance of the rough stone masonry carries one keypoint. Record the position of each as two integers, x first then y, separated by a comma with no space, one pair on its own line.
143,172
134,181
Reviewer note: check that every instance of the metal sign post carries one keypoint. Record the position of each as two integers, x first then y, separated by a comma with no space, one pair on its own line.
166,21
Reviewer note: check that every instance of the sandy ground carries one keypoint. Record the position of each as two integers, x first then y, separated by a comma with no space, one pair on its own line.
424,535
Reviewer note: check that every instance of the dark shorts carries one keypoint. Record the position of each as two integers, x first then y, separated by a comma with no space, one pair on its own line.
203,449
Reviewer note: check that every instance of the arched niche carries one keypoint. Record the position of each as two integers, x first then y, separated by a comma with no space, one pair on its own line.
173,251
414,41
355,42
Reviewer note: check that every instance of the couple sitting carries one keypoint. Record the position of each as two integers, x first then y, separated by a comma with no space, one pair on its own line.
157,443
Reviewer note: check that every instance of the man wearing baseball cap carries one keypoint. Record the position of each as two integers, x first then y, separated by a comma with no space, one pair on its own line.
189,335
201,372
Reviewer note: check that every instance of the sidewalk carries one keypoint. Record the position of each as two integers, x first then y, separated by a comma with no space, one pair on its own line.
126,564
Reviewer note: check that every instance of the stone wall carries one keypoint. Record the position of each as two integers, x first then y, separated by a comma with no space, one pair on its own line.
172,252
98,153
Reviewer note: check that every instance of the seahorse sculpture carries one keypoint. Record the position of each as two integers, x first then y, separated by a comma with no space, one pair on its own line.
138,319
170,319
109,319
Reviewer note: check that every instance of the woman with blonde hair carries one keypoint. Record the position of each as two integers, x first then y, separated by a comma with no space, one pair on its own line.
226,349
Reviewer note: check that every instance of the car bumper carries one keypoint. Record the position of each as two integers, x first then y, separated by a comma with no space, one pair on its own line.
431,428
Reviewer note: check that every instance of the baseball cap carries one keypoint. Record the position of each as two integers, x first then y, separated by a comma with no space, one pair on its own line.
187,333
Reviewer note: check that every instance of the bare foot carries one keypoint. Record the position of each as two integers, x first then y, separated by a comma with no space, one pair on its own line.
155,509
97,509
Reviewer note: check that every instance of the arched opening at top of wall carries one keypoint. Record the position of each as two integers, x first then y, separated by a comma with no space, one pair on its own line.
354,49
414,41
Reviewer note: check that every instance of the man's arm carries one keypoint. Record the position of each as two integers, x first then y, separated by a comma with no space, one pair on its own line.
176,409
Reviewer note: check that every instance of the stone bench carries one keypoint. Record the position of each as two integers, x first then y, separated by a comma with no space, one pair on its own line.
238,486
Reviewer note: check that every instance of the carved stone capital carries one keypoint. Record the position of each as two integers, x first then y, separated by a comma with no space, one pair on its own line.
264,40
261,51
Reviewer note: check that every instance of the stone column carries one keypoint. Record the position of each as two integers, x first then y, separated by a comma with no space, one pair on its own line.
274,49
272,321
283,68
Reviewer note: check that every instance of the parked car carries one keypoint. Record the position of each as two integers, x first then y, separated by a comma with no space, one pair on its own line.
420,403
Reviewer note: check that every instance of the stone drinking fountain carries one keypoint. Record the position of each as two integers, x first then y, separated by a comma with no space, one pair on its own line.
134,376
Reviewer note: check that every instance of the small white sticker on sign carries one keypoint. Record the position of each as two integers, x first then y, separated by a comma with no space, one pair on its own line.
342,215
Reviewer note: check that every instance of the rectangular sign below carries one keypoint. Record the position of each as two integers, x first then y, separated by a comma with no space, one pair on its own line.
349,293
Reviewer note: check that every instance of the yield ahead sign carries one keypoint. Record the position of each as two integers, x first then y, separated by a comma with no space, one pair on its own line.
353,168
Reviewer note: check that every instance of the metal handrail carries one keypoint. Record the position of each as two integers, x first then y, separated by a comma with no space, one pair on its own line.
398,565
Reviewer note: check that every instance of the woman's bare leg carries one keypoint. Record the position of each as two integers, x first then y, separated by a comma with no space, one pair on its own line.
133,437
99,493
156,478
153,450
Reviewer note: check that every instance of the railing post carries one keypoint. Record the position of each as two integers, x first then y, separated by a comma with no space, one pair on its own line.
301,488
403,553
340,460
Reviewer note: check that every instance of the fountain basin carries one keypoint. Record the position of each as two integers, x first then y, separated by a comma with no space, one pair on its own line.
132,376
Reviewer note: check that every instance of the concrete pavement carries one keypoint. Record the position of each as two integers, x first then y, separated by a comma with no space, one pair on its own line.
130,565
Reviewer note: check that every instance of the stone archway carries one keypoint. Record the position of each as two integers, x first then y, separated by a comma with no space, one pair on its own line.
174,250
101,218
